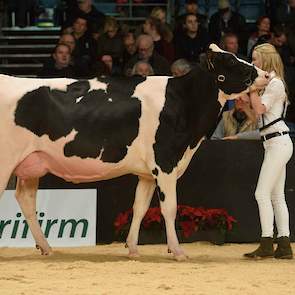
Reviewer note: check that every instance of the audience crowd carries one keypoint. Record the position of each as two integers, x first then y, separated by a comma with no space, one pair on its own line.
92,44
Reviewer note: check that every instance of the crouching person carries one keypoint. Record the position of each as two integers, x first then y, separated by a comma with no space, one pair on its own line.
238,123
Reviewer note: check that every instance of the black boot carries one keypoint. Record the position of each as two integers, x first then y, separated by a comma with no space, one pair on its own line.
264,250
284,250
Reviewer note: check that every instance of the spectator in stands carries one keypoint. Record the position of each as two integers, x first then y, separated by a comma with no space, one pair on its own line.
142,68
281,12
69,40
111,41
162,45
193,41
236,122
262,28
226,20
278,146
279,41
86,48
106,67
191,7
146,52
180,67
160,14
60,66
230,43
87,10
130,48
79,64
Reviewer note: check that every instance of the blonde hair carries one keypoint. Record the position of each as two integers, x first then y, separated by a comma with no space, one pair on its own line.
156,12
270,59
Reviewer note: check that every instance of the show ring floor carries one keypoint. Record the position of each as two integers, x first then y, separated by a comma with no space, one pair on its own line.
106,270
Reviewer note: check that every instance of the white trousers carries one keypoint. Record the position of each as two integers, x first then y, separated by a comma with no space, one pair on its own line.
270,190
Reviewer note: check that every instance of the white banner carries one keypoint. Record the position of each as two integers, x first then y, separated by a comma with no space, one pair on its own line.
67,218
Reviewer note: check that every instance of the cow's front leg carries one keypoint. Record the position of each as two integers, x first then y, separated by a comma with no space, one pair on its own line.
144,193
26,191
166,190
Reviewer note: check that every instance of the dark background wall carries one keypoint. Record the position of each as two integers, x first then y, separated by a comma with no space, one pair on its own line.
222,174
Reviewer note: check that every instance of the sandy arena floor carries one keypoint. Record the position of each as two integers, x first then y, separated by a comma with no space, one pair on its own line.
105,270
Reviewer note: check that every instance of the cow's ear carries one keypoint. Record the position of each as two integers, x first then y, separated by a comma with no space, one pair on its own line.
210,58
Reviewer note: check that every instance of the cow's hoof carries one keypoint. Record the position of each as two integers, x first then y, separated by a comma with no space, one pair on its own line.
44,251
181,257
133,256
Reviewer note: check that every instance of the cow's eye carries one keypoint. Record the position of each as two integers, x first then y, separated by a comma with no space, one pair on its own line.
248,82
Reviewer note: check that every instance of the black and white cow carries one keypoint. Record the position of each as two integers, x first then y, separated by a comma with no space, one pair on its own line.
98,129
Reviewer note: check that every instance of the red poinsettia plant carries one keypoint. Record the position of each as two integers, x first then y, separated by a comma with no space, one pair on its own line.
188,220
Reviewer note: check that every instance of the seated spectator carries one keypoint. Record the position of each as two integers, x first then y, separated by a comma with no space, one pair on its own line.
86,48
87,10
69,40
155,29
279,41
226,20
180,67
111,41
59,66
236,122
230,43
142,68
146,52
262,29
160,14
130,48
193,41
191,7
107,67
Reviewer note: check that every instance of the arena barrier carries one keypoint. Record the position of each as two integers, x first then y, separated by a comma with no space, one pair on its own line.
222,174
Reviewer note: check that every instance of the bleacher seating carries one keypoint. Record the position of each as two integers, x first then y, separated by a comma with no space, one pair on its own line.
23,50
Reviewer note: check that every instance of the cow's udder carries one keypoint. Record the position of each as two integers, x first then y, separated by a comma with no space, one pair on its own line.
33,166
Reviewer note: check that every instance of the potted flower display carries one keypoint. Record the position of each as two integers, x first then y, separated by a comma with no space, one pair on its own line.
192,224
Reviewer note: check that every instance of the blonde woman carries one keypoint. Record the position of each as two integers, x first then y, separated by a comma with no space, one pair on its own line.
270,106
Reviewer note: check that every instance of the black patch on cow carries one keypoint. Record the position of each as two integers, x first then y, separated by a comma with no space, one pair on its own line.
51,112
107,122
237,75
155,171
190,112
160,194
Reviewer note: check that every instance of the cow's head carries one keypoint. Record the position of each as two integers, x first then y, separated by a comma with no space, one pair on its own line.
234,75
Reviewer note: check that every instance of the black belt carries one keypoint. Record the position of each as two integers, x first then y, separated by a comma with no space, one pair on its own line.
274,134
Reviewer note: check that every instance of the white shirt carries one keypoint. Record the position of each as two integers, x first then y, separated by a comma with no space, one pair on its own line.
273,98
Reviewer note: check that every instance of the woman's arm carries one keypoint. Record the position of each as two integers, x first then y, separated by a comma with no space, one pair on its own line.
258,107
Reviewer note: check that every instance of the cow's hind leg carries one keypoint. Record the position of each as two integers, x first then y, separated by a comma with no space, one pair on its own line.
26,191
166,190
144,193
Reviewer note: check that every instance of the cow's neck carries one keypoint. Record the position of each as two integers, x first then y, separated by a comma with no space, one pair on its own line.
203,103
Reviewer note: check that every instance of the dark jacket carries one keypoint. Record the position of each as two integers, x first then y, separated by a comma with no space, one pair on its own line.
191,48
